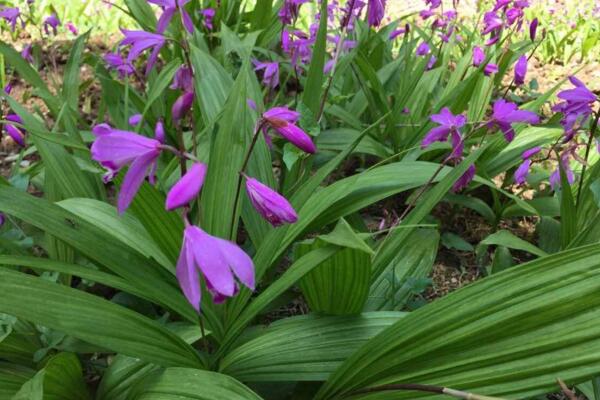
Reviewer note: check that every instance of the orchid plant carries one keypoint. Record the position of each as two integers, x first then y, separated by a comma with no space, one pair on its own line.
160,243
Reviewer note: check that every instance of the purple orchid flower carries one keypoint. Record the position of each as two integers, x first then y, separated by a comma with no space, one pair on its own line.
375,12
490,69
431,62
114,149
555,180
26,53
464,180
270,205
140,41
478,56
159,131
283,120
72,28
182,105
505,114
523,171
521,70
17,134
208,14
184,79
576,107
116,62
187,188
401,31
450,125
8,88
533,29
270,74
51,22
12,16
170,7
289,11
135,119
220,263
423,49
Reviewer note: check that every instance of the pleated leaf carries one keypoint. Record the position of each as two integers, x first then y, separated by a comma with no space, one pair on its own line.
305,348
509,335
92,319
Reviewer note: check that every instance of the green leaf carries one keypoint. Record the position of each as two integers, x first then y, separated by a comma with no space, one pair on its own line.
121,375
314,81
304,348
568,211
453,241
508,239
124,228
343,235
296,271
137,270
510,334
92,319
12,377
142,13
228,150
193,384
70,88
340,284
60,379
392,289
163,80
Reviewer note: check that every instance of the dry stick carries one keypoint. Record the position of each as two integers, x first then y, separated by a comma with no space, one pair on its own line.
587,153
565,389
426,388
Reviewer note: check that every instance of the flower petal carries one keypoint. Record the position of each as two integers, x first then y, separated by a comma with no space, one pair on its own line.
187,188
134,179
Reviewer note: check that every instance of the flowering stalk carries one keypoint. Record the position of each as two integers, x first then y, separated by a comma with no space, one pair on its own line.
238,190
587,154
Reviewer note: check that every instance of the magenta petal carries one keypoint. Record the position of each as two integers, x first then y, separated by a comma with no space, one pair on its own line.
522,172
271,205
134,179
187,188
297,137
187,275
187,21
238,261
211,261
135,119
438,134
182,105
152,59
165,19
15,133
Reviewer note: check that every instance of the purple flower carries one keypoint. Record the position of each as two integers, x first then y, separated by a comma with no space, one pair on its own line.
506,113
490,69
72,28
555,180
135,119
11,15
431,62
450,125
423,49
51,22
289,11
375,12
464,180
159,132
170,7
2,219
184,79
523,171
17,134
394,34
140,41
533,29
187,188
208,14
271,205
478,56
116,62
182,105
219,261
283,121
270,74
115,149
491,22
576,107
521,70
8,88
26,53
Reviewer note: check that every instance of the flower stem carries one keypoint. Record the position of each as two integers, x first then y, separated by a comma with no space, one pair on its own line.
238,190
587,154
